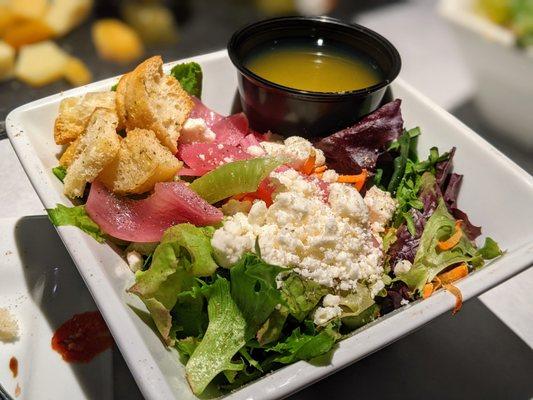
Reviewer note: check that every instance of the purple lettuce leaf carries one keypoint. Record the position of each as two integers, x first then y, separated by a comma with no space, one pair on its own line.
359,146
443,169
472,231
450,184
396,292
406,245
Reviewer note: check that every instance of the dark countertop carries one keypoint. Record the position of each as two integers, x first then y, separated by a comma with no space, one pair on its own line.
472,355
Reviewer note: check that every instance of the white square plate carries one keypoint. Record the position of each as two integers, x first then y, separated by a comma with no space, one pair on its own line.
496,194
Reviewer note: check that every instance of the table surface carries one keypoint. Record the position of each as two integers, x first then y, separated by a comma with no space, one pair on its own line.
472,355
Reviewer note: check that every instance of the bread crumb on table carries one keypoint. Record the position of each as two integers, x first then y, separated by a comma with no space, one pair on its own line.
9,329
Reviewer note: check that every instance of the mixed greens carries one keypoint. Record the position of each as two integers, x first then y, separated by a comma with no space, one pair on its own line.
234,323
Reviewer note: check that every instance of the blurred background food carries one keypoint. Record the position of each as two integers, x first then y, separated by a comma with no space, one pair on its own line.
120,32
517,15
496,39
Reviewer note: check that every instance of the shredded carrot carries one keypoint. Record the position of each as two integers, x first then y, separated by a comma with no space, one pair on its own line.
318,175
358,180
452,241
427,291
320,169
348,178
455,274
437,283
458,296
362,179
309,164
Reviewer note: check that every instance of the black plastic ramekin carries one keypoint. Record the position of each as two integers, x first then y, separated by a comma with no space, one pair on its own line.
289,111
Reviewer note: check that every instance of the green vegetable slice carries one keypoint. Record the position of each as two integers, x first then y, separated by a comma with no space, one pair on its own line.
75,216
190,77
234,178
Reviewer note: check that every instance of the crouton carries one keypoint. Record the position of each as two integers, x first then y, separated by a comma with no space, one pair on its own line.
150,99
68,155
142,161
9,329
28,32
77,73
115,41
32,9
74,113
97,147
64,15
40,63
7,60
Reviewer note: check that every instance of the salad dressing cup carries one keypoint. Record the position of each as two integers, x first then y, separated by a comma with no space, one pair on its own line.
288,111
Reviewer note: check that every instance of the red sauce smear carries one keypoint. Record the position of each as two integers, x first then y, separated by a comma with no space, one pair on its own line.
82,337
14,366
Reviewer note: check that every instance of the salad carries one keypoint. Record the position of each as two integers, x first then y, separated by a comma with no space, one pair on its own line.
252,251
516,15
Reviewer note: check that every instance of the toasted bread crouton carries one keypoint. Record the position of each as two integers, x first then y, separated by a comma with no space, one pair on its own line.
120,100
68,155
97,147
142,161
74,113
150,99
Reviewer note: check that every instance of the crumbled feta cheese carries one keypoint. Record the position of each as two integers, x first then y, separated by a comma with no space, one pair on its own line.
235,238
381,207
196,130
404,302
233,206
325,314
331,300
402,267
296,150
9,329
330,176
346,201
135,260
376,288
256,151
201,157
228,159
328,243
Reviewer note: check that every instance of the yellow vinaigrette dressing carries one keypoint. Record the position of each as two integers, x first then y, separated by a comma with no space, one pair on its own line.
313,68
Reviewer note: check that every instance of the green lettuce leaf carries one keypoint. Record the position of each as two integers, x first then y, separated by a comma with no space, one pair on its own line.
189,76
184,252
355,303
271,330
429,260
364,317
75,216
490,249
234,178
304,346
189,315
193,245
301,295
187,346
225,336
60,172
253,288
